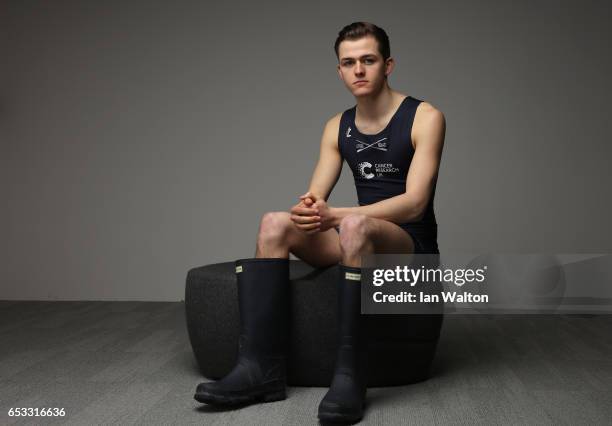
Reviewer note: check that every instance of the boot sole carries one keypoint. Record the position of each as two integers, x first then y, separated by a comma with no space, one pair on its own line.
226,400
340,417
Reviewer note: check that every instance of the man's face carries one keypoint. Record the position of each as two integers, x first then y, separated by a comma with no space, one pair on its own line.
361,66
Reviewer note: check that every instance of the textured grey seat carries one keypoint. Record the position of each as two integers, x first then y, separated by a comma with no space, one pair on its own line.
401,347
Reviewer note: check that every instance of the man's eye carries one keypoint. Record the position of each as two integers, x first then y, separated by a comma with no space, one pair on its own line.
369,61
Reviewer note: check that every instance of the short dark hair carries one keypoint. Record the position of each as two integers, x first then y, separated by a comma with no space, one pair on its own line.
357,30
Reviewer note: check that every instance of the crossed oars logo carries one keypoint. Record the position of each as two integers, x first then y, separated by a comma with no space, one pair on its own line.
376,145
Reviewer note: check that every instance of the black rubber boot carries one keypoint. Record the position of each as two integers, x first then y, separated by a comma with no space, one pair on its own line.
345,400
260,372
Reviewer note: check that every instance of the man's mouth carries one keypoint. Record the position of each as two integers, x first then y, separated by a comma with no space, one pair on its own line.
359,82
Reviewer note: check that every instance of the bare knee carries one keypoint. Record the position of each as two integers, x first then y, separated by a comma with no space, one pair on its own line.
355,232
273,228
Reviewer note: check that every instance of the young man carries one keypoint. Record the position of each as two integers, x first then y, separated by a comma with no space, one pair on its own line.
393,145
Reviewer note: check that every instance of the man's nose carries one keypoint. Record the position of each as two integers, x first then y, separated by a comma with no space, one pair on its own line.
359,68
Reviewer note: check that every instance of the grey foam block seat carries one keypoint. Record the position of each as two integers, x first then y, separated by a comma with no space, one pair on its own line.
401,347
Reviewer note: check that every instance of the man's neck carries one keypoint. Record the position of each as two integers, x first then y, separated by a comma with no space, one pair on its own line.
376,107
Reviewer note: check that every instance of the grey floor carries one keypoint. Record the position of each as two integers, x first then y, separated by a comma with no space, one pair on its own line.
130,363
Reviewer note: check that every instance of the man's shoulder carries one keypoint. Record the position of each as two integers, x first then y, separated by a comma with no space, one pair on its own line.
428,121
427,111
330,131
335,119
334,122
427,116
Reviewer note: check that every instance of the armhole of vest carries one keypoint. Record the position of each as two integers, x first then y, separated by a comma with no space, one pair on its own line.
339,143
416,103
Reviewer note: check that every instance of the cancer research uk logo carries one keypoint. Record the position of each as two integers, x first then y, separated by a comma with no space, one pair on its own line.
362,170
365,169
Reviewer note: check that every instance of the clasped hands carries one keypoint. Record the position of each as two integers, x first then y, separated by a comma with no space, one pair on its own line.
312,214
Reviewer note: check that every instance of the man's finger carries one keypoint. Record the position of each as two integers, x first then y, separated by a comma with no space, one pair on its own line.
307,195
309,226
303,211
305,219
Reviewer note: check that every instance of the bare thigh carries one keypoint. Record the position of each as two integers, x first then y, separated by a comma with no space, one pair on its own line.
319,249
324,248
387,237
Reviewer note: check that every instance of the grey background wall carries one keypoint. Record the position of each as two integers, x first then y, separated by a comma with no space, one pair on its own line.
140,139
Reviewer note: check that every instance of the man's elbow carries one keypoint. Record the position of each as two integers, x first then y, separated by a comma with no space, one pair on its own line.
416,211
417,214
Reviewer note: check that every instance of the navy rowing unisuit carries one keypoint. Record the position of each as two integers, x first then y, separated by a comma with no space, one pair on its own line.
380,166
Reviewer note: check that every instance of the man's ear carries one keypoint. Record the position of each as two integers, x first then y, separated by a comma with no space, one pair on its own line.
339,72
389,65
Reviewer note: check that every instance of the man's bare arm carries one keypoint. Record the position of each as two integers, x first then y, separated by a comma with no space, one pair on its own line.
410,206
329,166
324,178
